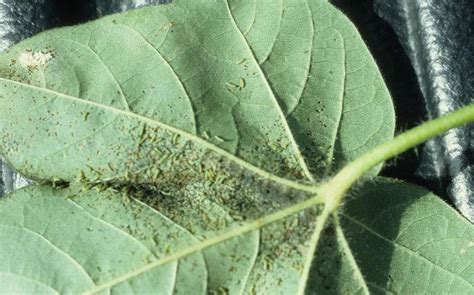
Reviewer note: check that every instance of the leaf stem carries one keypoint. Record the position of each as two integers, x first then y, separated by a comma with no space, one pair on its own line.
331,193
343,180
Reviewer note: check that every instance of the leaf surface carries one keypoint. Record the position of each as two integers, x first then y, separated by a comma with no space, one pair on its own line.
222,119
62,245
393,237
68,240
92,97
386,233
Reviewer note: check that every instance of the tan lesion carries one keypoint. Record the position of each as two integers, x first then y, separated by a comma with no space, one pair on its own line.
34,59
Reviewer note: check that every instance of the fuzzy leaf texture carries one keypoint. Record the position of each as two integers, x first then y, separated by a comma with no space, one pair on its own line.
218,112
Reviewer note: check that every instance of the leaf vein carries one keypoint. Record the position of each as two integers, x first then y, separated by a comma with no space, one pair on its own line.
408,250
296,150
122,94
175,74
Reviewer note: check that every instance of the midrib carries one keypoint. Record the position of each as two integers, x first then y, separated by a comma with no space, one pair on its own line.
207,145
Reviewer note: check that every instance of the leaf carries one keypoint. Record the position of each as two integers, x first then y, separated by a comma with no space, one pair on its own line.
72,241
392,237
216,120
422,245
95,102
60,244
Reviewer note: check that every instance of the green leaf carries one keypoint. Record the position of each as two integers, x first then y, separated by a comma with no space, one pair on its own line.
72,241
392,237
58,243
95,98
223,119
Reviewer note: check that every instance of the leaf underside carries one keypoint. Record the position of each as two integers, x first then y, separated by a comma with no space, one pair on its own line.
295,103
210,114
392,237
390,232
